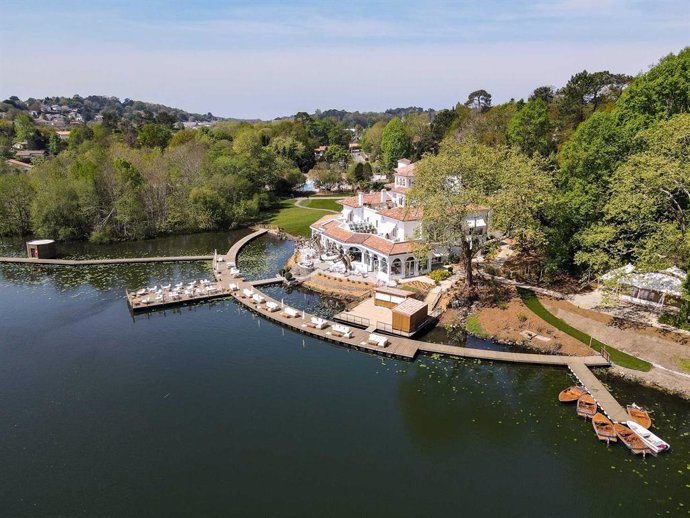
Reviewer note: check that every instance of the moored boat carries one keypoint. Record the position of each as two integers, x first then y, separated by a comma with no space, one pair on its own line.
653,442
603,427
571,394
586,406
639,415
631,439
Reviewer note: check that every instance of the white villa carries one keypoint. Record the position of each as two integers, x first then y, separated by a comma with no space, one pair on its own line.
380,230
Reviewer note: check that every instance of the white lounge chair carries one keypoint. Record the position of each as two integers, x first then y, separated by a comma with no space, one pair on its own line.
166,287
341,330
290,312
272,306
160,297
146,301
247,293
141,291
233,286
318,323
211,289
258,298
378,340
234,271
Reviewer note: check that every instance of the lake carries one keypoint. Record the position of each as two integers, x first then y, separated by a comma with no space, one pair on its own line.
209,410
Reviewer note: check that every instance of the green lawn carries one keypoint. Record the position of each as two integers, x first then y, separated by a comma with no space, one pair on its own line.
327,204
293,220
618,357
474,327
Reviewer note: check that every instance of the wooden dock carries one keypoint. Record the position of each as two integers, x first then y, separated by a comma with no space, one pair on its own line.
101,262
231,257
398,347
164,298
505,356
265,282
599,392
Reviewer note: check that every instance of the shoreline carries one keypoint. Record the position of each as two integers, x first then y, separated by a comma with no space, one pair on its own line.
652,379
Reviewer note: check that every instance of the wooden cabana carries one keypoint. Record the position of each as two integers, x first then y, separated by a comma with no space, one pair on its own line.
409,315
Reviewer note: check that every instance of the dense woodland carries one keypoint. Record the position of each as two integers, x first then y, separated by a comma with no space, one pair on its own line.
586,176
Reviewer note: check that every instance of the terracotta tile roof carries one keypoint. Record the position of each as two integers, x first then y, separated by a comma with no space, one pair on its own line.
404,161
403,248
323,220
400,189
403,213
408,170
373,198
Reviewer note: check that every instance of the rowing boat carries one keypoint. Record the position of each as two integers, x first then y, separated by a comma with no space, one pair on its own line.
652,441
639,415
586,406
571,394
603,427
631,439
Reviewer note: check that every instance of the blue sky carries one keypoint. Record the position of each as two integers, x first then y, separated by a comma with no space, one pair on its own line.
266,59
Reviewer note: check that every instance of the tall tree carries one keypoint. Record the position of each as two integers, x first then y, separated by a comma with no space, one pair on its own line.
452,185
531,129
395,143
479,100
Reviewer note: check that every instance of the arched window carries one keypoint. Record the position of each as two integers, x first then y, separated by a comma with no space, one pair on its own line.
396,267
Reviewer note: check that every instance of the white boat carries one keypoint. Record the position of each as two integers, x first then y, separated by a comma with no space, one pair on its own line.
653,442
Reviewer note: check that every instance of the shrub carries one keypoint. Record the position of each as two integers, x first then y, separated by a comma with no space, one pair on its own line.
522,317
439,275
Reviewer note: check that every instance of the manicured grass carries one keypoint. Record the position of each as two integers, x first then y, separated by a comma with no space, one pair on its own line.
618,357
293,220
323,204
473,327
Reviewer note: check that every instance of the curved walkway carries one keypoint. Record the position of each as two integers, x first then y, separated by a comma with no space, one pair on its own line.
399,346
298,203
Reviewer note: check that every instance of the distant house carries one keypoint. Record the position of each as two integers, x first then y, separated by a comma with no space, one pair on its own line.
20,145
355,148
28,155
319,151
656,289
64,135
22,166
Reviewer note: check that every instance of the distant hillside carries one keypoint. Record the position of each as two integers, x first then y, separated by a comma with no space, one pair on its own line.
365,119
64,110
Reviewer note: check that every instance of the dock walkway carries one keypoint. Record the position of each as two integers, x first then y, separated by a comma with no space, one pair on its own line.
596,388
398,347
99,262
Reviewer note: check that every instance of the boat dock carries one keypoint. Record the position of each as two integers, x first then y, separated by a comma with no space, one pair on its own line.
598,391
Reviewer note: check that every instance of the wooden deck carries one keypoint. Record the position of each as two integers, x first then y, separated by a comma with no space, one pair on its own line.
100,262
148,302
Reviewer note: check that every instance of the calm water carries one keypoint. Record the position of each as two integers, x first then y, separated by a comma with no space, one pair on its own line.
210,411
